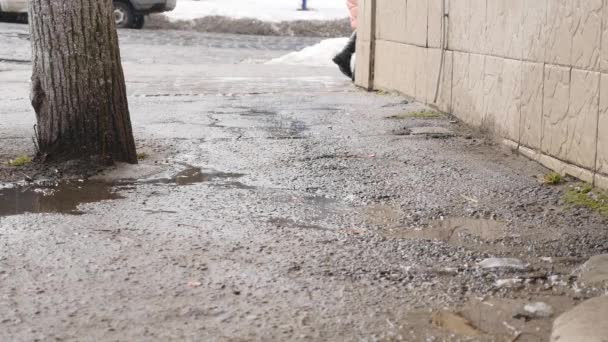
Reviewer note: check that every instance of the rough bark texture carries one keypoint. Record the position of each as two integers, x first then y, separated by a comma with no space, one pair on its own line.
78,87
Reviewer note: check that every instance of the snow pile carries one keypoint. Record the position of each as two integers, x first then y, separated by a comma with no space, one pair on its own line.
317,55
264,10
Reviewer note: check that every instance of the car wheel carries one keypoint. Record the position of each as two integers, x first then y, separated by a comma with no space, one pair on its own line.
139,21
123,15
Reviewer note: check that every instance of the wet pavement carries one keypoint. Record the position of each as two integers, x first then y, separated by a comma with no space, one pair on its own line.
280,203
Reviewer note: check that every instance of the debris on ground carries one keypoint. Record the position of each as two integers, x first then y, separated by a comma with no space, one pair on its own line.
20,161
455,323
539,310
509,283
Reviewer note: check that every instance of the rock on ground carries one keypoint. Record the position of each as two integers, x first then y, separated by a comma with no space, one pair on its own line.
595,271
587,322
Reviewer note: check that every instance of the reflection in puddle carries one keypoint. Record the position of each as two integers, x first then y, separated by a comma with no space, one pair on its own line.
65,197
191,175
455,230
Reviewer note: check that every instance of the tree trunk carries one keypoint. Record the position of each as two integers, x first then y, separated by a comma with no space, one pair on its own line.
78,86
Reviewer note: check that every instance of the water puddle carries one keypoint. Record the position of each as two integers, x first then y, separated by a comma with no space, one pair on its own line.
501,316
65,198
189,176
236,185
289,223
454,230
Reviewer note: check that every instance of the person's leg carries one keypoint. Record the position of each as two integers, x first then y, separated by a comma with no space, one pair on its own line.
351,46
344,58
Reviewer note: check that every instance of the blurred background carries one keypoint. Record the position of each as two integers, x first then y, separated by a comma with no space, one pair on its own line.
322,18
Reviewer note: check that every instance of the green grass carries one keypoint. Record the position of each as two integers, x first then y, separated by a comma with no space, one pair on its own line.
584,195
553,178
423,114
142,156
20,161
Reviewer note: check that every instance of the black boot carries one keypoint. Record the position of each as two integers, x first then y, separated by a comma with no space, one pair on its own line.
344,58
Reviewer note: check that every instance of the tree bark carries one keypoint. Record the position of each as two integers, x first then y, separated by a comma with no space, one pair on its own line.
78,87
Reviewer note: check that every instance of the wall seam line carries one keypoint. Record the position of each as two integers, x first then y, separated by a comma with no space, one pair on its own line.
599,99
498,56
521,77
569,104
427,24
542,112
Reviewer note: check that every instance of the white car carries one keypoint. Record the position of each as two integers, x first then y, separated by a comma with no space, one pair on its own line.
127,13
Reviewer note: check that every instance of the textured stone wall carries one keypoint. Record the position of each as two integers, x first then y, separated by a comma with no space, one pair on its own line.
534,71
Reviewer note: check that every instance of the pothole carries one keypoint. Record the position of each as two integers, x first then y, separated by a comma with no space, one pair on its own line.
454,230
63,198
66,197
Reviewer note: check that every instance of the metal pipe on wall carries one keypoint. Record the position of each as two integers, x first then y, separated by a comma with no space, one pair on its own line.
444,18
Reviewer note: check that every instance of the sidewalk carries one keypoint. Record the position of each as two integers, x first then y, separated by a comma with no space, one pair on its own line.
281,203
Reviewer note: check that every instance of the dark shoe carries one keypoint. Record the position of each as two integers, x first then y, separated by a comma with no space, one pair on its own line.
343,63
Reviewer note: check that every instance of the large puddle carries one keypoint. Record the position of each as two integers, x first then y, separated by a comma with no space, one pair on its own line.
65,198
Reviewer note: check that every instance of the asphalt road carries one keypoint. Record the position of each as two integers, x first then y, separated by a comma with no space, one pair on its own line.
278,203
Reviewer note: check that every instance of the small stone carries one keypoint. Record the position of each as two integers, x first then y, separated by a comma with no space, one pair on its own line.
194,284
508,283
586,322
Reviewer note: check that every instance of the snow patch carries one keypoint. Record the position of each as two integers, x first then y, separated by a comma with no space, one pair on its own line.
265,10
317,55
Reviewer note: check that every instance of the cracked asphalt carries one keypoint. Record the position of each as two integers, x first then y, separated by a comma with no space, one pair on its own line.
278,203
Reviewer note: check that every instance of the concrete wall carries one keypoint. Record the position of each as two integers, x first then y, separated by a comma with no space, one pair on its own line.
535,71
